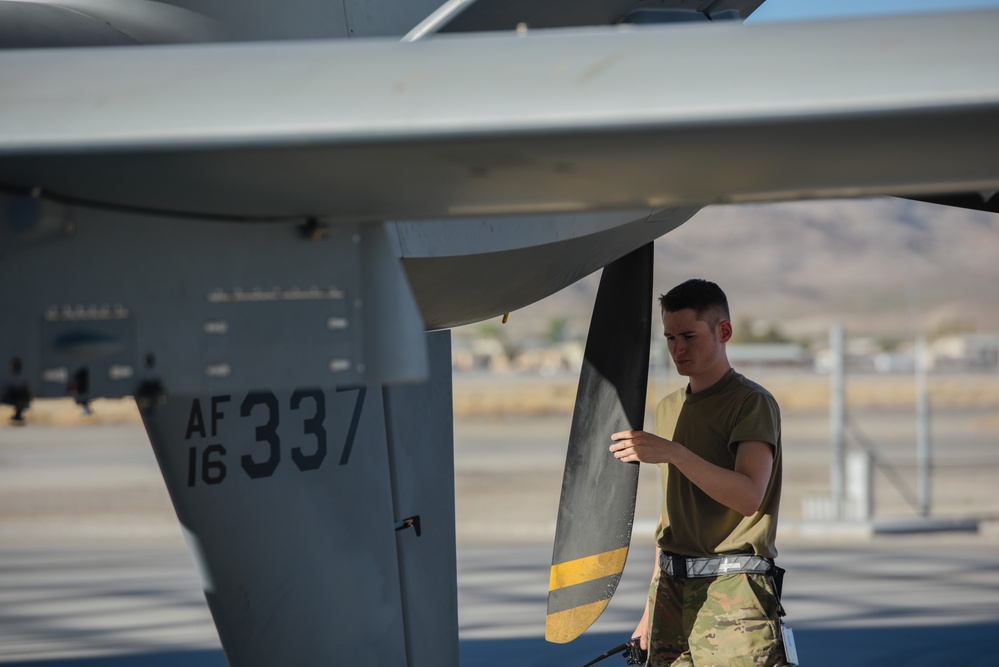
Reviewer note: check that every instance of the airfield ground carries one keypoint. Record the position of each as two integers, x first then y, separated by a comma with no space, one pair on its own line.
93,570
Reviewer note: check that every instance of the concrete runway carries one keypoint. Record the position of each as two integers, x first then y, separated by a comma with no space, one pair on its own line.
93,570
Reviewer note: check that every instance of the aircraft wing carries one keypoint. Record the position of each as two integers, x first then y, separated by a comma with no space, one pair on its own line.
39,24
615,118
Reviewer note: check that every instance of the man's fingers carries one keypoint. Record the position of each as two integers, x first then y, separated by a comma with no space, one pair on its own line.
624,452
621,445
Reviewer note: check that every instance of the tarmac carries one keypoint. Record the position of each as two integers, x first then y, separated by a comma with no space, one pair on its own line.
896,603
93,569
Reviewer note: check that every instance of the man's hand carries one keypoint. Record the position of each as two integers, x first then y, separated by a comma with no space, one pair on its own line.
641,632
641,446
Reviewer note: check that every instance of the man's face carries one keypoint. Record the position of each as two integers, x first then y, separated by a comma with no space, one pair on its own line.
696,347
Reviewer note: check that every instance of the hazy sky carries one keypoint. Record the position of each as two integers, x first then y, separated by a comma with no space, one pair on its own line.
780,10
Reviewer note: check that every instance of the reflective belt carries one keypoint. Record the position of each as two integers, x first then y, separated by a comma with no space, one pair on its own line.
715,566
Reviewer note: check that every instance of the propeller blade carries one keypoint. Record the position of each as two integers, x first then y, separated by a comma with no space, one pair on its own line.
597,507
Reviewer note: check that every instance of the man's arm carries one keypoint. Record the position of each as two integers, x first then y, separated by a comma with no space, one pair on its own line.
642,629
741,489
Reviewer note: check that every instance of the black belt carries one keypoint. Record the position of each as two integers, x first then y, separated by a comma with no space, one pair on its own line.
714,566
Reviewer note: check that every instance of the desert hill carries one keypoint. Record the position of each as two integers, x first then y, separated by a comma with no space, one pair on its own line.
885,267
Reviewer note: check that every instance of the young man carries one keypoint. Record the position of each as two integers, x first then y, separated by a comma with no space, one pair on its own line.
717,442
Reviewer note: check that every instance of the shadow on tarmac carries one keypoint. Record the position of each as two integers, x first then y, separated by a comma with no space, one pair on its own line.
968,645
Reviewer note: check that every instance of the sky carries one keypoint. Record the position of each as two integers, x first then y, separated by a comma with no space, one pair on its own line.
790,10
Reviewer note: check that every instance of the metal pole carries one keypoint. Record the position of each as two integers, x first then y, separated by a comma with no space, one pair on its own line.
922,427
837,410
860,485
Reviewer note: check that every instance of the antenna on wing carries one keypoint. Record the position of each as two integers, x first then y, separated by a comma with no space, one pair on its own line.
437,19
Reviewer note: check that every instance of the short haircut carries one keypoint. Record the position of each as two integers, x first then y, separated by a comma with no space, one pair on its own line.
706,299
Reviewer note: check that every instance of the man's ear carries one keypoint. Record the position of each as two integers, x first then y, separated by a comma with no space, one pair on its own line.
724,331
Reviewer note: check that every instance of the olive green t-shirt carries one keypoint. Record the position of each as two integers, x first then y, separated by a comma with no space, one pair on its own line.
711,423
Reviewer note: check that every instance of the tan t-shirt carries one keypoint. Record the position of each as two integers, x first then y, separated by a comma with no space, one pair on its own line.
711,423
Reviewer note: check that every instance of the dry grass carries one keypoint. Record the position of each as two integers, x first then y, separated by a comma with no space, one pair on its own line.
507,395
534,396
65,412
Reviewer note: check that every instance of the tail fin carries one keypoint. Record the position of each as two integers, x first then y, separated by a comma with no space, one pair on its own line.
322,519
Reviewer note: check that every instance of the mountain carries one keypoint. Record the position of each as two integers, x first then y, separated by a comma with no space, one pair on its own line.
885,267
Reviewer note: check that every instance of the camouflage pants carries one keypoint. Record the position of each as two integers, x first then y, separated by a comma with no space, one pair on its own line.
725,621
